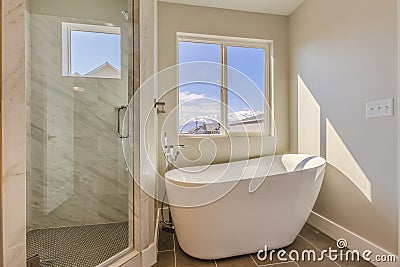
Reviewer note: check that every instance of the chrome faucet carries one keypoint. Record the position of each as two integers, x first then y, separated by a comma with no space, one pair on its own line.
171,152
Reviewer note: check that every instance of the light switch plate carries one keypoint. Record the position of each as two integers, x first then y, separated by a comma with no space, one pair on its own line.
382,108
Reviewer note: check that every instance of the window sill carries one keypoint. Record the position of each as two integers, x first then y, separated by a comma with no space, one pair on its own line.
91,77
216,136
200,136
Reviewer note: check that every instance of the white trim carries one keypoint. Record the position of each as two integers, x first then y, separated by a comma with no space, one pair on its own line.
355,241
156,48
67,27
119,258
398,124
217,38
90,28
126,260
210,136
223,90
149,255
227,135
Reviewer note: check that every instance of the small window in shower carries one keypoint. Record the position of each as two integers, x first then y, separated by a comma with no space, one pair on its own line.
92,51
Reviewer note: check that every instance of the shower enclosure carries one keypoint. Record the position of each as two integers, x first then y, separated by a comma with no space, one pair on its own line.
78,84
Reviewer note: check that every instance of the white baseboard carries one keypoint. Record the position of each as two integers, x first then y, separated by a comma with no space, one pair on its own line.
149,255
130,260
355,241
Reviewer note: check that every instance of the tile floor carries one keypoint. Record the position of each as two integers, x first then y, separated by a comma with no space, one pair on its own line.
171,255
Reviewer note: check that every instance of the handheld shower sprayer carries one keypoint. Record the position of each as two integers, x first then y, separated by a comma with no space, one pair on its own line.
125,14
171,152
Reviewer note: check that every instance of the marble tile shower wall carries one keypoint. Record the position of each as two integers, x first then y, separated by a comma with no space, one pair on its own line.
76,173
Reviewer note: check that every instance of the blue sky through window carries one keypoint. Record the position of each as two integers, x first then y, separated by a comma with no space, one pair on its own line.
203,99
191,52
244,97
90,50
199,99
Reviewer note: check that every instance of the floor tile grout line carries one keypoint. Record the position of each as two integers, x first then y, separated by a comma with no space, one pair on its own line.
276,263
158,239
163,251
251,256
173,239
308,241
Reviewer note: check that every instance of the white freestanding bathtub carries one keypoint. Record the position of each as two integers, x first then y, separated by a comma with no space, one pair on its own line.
216,216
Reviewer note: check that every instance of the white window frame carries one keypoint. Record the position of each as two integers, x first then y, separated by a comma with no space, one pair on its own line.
67,27
224,42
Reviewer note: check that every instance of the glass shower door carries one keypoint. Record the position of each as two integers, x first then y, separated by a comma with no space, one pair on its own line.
79,191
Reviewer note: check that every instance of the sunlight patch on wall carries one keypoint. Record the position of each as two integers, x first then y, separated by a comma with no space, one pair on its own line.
309,121
341,158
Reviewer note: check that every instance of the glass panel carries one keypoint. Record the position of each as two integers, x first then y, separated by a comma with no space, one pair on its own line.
199,91
246,86
79,193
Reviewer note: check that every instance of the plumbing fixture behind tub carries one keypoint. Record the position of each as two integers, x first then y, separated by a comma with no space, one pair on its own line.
125,14
171,153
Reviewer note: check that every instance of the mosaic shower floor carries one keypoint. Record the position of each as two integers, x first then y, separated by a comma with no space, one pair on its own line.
78,246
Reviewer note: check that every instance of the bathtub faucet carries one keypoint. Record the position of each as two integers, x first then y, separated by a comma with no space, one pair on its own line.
171,152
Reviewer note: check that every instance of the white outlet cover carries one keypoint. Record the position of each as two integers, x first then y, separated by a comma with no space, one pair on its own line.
381,108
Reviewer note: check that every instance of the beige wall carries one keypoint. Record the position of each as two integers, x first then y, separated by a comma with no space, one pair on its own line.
109,10
173,18
342,55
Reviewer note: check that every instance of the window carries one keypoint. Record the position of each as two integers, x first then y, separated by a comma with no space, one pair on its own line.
91,51
229,96
199,102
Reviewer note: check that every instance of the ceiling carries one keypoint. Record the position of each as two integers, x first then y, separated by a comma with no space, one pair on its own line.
277,7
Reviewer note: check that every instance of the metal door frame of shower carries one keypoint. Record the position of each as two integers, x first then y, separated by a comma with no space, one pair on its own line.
398,125
1,138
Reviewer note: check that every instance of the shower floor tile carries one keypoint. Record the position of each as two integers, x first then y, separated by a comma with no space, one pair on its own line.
171,255
78,246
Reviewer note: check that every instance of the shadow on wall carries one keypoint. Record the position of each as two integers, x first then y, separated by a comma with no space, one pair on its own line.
317,136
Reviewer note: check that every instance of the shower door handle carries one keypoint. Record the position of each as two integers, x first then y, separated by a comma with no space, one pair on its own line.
120,124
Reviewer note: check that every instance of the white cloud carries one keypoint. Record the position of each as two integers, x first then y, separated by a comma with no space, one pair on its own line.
242,114
200,109
186,96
